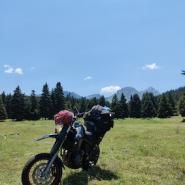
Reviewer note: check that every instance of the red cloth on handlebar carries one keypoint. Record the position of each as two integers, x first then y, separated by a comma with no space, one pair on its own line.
64,117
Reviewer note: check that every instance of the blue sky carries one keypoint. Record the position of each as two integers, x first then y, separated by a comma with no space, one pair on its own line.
92,46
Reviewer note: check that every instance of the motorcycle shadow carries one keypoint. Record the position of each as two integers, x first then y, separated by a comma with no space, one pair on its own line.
83,177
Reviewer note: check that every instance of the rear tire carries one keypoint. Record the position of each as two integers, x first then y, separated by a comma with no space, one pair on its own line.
94,155
31,172
92,159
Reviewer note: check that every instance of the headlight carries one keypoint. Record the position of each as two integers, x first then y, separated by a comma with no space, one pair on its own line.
58,128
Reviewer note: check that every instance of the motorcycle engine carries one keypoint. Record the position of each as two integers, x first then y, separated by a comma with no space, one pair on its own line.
73,159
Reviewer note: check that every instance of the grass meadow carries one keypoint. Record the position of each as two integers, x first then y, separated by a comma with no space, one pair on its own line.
134,152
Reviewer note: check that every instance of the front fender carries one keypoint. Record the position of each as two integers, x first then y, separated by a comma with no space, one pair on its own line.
55,136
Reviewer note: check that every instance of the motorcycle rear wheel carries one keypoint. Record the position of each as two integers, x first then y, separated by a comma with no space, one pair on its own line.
31,174
92,158
94,155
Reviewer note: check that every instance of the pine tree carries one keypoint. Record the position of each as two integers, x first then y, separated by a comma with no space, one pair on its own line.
8,105
34,106
182,106
53,110
148,108
3,114
45,103
135,106
115,106
172,104
107,104
3,95
92,102
83,105
58,98
102,101
27,108
70,103
130,106
73,103
154,101
33,101
123,107
114,102
164,107
18,105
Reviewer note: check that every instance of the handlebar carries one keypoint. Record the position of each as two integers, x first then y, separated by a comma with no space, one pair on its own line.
79,115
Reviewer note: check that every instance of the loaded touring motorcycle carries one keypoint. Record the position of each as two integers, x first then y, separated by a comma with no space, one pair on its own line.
76,146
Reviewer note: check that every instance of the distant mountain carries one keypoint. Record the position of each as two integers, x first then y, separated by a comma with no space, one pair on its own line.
93,96
75,95
130,91
127,91
150,90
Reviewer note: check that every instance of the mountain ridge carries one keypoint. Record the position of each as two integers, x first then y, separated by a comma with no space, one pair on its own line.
127,91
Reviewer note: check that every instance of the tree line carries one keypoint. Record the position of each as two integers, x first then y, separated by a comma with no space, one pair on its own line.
18,106
146,107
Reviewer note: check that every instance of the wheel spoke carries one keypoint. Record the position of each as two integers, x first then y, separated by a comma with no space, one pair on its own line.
36,174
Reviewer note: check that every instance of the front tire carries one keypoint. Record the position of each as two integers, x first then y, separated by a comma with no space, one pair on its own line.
31,174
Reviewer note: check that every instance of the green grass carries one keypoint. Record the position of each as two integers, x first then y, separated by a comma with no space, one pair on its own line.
134,152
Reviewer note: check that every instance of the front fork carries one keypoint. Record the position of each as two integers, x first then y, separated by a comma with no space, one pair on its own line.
56,148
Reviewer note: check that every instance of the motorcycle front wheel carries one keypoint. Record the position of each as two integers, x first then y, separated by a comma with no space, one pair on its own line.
33,170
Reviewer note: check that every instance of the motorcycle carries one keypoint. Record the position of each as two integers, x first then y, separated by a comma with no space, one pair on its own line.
76,146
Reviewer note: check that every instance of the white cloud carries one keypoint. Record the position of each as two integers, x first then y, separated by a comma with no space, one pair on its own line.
8,69
152,66
18,71
110,89
88,78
